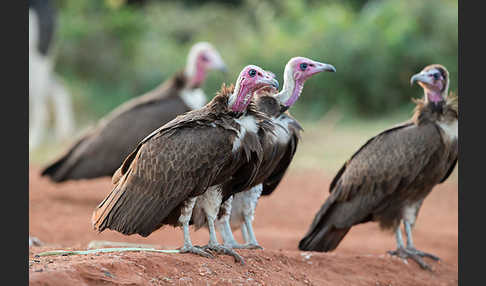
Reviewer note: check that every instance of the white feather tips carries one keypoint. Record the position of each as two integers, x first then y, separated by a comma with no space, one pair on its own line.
194,98
247,124
450,129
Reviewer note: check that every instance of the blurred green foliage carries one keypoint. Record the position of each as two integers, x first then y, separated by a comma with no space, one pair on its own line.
109,52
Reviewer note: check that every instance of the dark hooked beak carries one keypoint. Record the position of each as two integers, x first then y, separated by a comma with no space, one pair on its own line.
269,81
420,77
274,82
326,67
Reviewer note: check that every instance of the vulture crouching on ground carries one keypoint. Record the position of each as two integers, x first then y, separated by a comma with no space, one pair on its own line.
101,150
160,181
278,150
388,178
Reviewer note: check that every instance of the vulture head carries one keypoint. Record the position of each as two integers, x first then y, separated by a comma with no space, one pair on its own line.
297,71
202,58
251,79
434,79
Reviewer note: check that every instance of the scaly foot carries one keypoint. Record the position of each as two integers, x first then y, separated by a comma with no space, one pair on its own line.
224,250
195,250
249,246
424,254
415,255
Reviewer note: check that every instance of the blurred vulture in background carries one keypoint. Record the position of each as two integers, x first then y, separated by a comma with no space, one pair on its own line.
278,150
188,159
102,149
389,177
45,86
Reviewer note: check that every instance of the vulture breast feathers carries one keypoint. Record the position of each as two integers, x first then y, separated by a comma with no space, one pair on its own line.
178,161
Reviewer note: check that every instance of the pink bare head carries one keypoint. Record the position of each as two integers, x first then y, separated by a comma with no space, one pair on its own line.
434,79
202,58
297,71
251,79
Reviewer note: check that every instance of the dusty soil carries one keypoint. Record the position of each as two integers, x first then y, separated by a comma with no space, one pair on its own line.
59,215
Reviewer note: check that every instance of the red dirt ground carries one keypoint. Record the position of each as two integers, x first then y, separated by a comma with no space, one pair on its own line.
59,215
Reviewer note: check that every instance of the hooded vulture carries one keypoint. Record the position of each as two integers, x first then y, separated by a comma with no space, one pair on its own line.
101,150
279,148
389,177
186,160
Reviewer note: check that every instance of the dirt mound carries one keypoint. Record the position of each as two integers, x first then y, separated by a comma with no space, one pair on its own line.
268,267
59,215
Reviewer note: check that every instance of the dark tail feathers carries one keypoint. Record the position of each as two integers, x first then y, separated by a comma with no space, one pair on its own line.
322,234
52,171
59,170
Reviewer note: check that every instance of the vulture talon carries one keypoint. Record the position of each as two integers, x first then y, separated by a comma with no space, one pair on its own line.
249,246
254,246
196,250
404,254
423,254
224,250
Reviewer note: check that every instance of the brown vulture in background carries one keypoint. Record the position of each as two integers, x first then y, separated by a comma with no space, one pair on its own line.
186,160
101,150
388,178
278,150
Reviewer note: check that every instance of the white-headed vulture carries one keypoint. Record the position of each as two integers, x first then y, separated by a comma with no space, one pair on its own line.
100,151
188,159
389,177
279,148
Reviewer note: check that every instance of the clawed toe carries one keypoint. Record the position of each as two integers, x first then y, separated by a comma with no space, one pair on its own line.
252,246
425,254
415,255
196,250
225,250
244,246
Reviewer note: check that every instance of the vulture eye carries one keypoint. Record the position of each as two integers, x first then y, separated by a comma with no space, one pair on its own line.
436,76
303,66
252,73
204,58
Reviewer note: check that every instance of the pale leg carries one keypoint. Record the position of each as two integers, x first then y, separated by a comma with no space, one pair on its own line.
211,202
409,252
184,219
224,227
249,213
64,117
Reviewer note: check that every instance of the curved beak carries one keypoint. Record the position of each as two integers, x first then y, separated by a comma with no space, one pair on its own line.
270,81
321,67
421,77
217,62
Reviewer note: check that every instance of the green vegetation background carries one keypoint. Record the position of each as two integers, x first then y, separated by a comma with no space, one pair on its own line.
108,51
